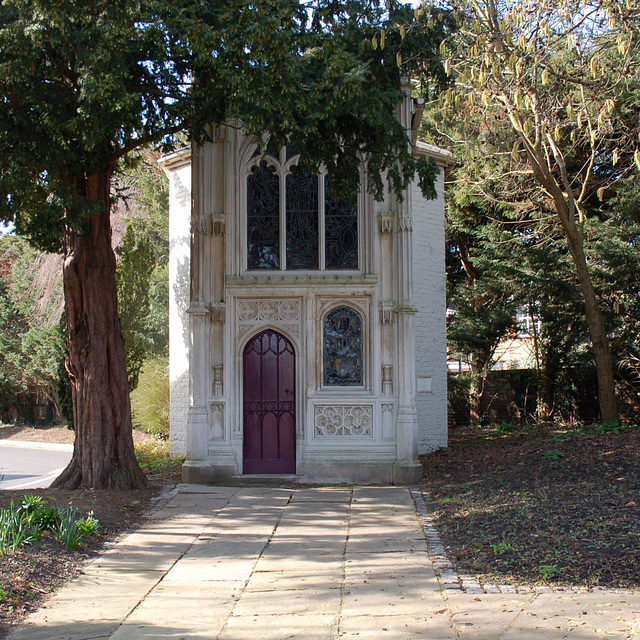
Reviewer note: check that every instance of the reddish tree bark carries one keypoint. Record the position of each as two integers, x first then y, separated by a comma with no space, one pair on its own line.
103,455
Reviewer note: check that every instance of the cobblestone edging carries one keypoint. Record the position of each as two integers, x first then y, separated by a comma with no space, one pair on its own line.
453,581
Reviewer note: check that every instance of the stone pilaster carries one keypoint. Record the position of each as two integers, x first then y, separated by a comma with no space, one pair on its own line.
407,467
194,468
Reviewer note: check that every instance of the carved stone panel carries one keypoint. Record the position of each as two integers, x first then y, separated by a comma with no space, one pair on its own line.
218,224
387,308
269,310
343,420
388,430
216,420
385,221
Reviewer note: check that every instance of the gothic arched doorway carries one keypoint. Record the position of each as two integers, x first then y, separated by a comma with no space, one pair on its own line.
269,406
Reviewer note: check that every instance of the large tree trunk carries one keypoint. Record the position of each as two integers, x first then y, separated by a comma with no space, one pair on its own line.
103,455
598,333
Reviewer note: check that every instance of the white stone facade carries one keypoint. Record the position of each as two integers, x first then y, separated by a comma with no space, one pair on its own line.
370,432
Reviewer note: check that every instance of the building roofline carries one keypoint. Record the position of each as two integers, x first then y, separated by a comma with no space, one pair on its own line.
441,156
175,160
182,157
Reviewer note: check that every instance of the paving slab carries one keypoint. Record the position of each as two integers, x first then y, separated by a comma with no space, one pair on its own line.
306,600
425,627
322,495
294,580
267,563
485,615
280,627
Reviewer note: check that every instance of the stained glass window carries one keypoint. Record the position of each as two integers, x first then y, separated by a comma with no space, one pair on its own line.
314,234
342,348
302,221
263,218
341,232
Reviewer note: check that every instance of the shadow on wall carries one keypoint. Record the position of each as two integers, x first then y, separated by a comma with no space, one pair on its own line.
181,296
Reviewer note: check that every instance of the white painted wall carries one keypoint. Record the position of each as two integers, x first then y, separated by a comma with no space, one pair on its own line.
430,326
178,169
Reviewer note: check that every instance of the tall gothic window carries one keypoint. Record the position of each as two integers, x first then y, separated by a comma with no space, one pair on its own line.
341,232
293,221
263,218
302,221
342,348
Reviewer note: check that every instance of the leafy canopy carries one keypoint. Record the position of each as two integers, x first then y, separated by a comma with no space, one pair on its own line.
84,82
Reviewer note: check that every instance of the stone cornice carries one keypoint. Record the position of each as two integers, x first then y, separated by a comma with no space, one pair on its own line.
287,279
175,160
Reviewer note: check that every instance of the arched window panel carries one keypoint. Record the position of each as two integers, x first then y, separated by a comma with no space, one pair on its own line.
341,232
302,221
343,348
263,218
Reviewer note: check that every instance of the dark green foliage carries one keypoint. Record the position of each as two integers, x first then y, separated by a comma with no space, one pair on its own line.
144,189
30,338
91,80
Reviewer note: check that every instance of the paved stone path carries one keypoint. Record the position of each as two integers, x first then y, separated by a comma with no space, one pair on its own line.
256,563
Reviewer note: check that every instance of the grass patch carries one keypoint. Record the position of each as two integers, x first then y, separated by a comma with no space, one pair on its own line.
150,399
155,459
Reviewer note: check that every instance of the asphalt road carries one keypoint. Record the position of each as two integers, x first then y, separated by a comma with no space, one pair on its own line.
31,465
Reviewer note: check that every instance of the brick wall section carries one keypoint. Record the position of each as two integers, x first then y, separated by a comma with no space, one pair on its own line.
179,243
431,336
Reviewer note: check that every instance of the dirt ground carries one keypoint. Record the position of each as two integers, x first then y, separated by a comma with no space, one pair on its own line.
535,505
37,569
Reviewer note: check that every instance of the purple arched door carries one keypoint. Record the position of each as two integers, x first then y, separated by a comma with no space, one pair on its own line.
269,405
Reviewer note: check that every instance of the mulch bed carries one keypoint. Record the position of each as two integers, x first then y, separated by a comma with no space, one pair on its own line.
534,505
38,569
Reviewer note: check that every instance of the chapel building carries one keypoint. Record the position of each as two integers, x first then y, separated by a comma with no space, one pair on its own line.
307,335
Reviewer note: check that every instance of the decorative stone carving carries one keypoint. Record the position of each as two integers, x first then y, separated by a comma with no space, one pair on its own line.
218,224
243,328
217,135
385,221
200,226
345,420
216,420
269,310
387,308
217,313
405,223
387,407
387,384
407,308
216,371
